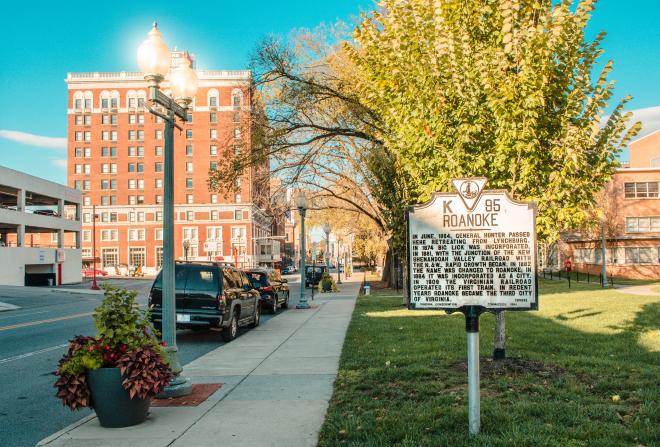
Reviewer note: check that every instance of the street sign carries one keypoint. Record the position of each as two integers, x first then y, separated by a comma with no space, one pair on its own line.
474,247
60,256
210,246
471,251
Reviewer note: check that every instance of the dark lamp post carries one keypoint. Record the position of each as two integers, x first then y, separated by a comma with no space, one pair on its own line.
301,204
154,60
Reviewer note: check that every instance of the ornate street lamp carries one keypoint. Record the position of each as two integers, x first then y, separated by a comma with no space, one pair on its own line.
326,229
301,204
186,246
154,60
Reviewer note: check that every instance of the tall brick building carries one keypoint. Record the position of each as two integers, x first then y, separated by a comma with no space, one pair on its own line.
115,157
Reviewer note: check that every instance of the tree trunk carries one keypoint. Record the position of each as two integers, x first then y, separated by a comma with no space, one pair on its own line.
403,265
387,266
500,333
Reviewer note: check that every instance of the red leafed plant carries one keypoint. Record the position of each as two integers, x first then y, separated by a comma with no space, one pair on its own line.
143,371
125,340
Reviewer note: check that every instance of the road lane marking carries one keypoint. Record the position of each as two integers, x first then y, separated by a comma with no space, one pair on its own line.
30,354
50,320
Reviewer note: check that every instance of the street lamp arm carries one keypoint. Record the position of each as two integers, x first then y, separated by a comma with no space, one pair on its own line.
163,116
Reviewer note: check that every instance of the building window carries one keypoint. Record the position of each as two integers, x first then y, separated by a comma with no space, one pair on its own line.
214,198
78,136
159,183
159,216
114,103
79,120
140,117
214,233
136,234
108,235
189,166
113,168
641,190
87,185
132,183
131,200
131,168
236,99
189,118
113,120
213,101
78,152
641,255
158,234
77,104
132,119
77,184
88,103
642,224
132,135
238,215
86,235
140,135
189,183
237,117
189,150
159,134
87,201
237,198
131,102
105,184
140,167
213,165
158,151
140,183
132,151
109,257
189,199
140,216
213,117
237,150
237,133
213,150
105,119
113,200
190,215
140,200
189,134
113,135
88,152
159,200
214,214
213,133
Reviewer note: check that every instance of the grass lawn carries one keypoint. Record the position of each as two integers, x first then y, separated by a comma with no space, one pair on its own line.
582,371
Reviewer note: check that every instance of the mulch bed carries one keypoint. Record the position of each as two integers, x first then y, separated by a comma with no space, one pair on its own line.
200,392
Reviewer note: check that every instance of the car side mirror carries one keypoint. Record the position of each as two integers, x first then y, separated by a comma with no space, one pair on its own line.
284,280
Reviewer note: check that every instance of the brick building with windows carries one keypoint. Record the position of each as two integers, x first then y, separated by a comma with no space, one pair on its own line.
115,158
631,205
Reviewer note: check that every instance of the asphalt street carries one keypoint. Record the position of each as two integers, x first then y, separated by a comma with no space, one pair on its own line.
33,339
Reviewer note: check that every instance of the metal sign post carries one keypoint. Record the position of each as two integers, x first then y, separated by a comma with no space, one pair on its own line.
472,251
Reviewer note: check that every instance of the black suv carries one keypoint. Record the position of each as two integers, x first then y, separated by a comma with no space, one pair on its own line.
273,289
313,274
209,295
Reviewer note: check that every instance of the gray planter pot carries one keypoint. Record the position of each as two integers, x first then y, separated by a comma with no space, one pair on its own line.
111,401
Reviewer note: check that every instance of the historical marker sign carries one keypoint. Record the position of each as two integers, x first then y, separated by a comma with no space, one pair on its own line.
474,247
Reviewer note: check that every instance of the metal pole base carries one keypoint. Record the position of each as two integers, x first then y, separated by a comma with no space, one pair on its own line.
499,354
474,404
303,305
179,386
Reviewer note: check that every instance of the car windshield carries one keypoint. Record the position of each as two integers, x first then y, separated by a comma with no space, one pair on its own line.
257,279
315,269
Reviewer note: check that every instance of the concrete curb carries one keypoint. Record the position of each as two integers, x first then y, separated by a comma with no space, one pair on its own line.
78,291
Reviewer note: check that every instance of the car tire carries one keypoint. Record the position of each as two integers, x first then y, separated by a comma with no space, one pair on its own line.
231,331
285,304
273,307
257,316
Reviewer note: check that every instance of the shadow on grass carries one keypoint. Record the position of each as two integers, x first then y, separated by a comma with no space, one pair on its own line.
398,384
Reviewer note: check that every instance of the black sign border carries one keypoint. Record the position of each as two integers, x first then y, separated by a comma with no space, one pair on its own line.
434,197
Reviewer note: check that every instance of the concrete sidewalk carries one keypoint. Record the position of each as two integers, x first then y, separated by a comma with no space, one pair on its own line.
277,381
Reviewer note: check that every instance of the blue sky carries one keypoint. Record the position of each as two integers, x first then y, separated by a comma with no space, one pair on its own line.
43,40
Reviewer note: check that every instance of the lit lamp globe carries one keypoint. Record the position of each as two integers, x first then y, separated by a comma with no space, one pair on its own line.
184,83
301,200
326,228
153,57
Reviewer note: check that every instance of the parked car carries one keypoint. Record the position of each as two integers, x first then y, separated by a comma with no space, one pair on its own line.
89,272
288,270
313,274
273,289
208,295
46,212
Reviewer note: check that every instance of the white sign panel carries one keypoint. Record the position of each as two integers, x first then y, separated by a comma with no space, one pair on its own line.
475,247
210,246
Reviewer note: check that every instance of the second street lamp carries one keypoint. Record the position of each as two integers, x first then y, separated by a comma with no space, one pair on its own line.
301,204
327,229
154,60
